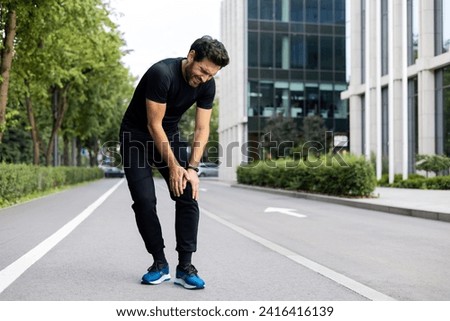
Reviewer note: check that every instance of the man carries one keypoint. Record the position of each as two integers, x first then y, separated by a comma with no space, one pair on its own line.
150,138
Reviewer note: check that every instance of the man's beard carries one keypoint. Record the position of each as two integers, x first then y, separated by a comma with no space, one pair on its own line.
193,81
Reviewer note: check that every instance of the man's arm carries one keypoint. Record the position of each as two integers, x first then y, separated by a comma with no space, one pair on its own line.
178,175
201,135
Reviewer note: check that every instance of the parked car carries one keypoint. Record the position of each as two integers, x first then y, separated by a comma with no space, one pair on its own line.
208,170
113,171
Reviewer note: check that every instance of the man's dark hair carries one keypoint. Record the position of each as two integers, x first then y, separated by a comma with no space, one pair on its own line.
214,50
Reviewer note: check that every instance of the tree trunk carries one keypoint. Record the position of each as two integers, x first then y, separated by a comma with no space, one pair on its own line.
34,130
66,156
93,152
6,62
74,152
60,105
78,156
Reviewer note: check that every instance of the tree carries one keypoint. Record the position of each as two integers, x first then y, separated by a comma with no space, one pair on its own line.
6,55
281,136
187,125
433,163
16,146
67,74
314,135
95,119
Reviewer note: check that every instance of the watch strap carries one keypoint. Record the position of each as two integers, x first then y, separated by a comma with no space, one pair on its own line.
192,167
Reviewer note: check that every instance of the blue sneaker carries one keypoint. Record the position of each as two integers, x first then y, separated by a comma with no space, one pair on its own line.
188,278
157,273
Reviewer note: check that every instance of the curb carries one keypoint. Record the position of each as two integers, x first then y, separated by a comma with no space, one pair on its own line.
431,215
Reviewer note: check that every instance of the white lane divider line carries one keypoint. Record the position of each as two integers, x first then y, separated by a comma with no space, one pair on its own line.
13,271
285,211
341,279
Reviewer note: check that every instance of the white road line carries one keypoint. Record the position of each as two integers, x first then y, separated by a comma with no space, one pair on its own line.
13,271
351,284
285,211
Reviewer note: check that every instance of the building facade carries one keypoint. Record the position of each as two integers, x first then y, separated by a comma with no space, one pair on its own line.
399,88
288,58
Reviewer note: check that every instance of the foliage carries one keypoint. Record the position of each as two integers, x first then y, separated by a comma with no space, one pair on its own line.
187,126
417,181
20,180
314,135
343,175
16,146
433,163
67,79
281,135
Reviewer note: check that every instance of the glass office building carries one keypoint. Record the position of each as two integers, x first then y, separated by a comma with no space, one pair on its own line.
289,57
399,89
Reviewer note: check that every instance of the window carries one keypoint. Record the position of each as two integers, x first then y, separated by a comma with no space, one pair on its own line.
363,41
341,106
446,116
326,53
311,99
282,10
266,89
312,52
385,121
296,61
252,9
282,97
384,37
266,10
326,11
253,49
266,50
297,10
443,111
253,99
297,52
282,51
339,8
297,99
363,122
413,31
327,107
446,25
339,53
442,11
312,11
413,126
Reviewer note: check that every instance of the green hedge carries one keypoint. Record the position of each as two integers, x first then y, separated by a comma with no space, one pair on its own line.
350,176
19,181
417,181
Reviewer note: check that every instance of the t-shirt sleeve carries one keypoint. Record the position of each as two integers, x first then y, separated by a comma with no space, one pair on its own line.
158,83
206,100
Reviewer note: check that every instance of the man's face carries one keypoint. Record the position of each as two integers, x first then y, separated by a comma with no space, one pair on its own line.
198,72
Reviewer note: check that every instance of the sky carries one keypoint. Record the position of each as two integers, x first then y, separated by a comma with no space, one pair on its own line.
158,29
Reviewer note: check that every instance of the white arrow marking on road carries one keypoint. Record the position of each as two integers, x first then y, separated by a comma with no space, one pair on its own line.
203,189
285,211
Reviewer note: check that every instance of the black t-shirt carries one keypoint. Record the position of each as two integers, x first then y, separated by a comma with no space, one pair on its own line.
164,83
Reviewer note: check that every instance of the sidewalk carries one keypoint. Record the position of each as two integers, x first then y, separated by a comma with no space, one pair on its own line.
429,204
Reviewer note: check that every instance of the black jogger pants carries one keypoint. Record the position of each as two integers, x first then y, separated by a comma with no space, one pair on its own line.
139,156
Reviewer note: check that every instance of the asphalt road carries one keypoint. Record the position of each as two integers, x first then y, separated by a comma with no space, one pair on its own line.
75,245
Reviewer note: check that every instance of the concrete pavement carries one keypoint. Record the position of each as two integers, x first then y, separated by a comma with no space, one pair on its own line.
428,204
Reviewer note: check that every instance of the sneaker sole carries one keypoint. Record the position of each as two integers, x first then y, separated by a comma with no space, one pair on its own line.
183,283
163,278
